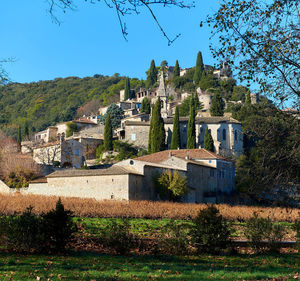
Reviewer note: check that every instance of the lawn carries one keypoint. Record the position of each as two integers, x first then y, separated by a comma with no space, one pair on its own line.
88,266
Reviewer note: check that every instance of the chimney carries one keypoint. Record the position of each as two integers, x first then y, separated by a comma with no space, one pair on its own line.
170,153
187,157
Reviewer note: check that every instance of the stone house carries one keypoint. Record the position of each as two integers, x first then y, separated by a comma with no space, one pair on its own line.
211,178
65,152
226,133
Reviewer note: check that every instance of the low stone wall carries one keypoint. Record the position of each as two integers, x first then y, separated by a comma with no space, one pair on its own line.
4,188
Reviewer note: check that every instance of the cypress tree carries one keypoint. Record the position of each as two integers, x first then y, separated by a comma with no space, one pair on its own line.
217,105
127,90
26,130
248,99
198,69
19,140
191,133
157,130
145,107
208,141
108,144
175,141
151,74
176,72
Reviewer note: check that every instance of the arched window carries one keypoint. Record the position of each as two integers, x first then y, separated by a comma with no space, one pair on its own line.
235,135
224,134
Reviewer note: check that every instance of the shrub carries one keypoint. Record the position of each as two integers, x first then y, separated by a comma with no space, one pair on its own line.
57,228
118,237
174,238
211,231
260,230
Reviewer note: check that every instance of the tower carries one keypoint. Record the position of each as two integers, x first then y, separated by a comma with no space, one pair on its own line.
162,93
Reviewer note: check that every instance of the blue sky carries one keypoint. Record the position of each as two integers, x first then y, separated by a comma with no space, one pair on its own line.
89,40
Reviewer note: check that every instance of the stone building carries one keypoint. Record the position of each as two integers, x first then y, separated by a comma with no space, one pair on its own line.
226,133
210,178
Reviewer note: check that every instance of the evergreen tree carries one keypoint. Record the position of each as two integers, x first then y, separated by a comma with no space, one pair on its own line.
248,99
108,137
127,90
176,72
217,108
26,130
145,107
175,141
157,130
19,139
191,133
198,69
208,141
151,75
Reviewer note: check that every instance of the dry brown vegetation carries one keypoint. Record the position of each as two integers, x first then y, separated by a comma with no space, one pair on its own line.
137,209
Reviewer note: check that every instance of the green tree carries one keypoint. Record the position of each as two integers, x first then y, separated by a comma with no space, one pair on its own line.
127,90
19,139
71,128
151,75
175,141
239,93
116,115
191,133
26,129
217,107
108,137
176,72
199,69
248,99
184,108
172,185
208,81
157,130
208,141
146,107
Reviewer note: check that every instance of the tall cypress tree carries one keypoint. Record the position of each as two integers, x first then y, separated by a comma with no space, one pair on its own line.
19,140
151,75
108,142
175,141
198,69
191,133
145,107
157,130
26,130
217,108
208,141
176,72
127,89
248,99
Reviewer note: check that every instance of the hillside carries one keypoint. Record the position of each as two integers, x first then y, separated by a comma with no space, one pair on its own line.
44,103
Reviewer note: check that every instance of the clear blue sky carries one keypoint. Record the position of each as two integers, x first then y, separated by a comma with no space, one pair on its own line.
89,40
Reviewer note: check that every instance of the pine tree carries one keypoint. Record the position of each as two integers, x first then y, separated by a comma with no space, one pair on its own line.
145,107
198,69
127,90
248,99
175,141
217,105
151,75
19,140
157,130
108,142
208,141
176,72
191,133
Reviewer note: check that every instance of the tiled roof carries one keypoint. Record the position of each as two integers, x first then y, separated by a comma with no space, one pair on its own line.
114,170
181,153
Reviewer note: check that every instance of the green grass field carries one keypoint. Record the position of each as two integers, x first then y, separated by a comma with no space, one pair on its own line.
87,266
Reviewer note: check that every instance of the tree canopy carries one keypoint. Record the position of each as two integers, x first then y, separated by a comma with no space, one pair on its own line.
116,115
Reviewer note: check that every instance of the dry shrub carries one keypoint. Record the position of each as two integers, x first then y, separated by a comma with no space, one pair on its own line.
137,209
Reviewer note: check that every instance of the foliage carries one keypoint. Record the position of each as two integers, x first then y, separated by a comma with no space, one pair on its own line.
217,105
108,134
296,227
211,231
127,90
176,71
157,130
116,115
171,185
259,39
208,141
239,93
184,108
227,86
191,132
146,107
151,75
175,141
263,229
208,81
117,236
198,69
71,128
89,108
248,99
125,150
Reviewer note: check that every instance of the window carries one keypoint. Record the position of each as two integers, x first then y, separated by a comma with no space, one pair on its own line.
212,172
76,166
235,135
224,134
133,137
77,152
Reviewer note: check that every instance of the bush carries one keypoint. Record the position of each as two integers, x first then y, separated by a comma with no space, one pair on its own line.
174,239
118,237
260,230
211,231
296,227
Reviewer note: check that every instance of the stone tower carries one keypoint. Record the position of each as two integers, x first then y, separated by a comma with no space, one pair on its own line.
162,93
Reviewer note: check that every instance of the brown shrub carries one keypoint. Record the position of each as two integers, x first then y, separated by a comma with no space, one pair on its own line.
137,209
